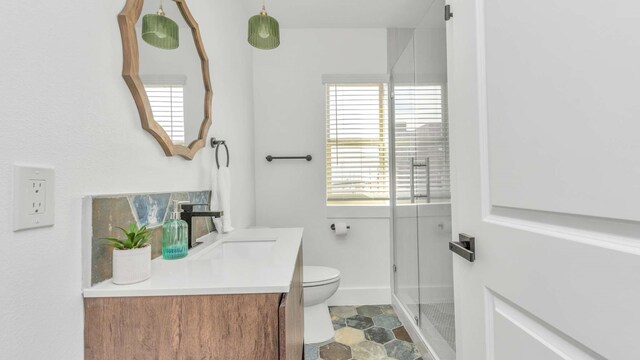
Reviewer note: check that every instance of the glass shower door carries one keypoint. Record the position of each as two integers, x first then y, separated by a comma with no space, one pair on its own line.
405,218
421,207
437,320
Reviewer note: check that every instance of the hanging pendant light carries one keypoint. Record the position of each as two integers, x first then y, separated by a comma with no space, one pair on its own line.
160,31
264,31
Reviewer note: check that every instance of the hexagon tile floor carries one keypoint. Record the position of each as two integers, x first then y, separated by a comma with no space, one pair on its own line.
370,332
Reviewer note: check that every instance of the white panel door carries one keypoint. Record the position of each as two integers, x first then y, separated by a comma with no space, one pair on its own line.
545,144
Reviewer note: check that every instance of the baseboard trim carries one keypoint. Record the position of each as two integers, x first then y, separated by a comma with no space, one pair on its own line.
361,296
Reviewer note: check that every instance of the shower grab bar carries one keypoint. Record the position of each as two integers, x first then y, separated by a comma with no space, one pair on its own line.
427,166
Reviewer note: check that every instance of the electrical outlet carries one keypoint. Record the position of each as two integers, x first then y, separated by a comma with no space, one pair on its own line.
37,191
32,197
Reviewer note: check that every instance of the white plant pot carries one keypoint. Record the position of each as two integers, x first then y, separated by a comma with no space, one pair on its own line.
131,266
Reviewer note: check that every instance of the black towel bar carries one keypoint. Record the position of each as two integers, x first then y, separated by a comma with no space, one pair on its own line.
271,158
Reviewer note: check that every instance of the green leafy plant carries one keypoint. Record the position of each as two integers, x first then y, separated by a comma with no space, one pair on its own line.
135,238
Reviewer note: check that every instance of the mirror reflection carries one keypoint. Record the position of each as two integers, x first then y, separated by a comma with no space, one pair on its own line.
170,69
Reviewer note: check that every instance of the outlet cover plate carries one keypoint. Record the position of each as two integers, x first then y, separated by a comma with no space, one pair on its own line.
33,197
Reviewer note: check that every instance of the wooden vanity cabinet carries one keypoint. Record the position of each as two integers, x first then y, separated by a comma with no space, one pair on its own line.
291,317
217,327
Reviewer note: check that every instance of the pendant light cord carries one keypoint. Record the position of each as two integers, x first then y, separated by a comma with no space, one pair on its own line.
160,10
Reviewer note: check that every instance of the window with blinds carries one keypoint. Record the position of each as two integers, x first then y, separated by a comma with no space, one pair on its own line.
167,105
357,143
422,132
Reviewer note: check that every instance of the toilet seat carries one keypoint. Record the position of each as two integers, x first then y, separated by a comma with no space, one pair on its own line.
319,275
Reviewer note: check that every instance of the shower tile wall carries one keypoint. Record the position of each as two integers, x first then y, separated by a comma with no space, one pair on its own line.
151,210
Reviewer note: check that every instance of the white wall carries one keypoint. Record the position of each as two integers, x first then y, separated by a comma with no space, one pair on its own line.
290,120
397,41
64,104
430,39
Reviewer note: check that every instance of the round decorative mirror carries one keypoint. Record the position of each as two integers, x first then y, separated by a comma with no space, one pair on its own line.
167,70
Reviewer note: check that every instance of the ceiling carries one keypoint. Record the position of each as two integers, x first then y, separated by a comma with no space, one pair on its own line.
344,13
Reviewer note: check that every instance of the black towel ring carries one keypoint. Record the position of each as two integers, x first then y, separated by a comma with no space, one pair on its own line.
216,143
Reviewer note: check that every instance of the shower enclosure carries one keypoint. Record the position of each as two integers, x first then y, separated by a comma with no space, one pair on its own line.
423,280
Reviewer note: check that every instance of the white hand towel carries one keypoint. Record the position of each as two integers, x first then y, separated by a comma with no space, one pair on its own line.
215,199
224,198
224,188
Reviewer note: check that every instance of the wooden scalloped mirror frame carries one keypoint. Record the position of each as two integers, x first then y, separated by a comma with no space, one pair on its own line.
127,20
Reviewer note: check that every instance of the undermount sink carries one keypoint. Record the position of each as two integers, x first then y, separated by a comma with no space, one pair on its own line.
235,249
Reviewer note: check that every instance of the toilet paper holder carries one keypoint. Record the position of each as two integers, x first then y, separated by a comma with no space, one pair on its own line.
333,227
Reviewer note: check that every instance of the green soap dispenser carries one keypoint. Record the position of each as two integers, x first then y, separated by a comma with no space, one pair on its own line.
175,235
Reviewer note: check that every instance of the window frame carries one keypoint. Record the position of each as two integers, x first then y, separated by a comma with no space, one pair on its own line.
381,140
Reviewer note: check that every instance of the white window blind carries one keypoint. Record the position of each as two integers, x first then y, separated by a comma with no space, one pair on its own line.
357,142
167,105
422,131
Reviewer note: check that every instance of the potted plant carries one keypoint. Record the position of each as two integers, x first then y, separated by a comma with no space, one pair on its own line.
131,255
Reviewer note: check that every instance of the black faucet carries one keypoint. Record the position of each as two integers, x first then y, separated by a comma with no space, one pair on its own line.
187,214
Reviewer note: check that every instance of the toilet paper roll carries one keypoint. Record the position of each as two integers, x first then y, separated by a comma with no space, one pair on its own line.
341,228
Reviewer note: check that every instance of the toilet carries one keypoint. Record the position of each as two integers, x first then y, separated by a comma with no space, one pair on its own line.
320,283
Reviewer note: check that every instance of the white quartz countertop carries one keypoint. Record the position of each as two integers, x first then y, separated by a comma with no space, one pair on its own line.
245,261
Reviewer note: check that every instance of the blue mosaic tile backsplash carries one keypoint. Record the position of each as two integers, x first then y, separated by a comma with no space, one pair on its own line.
151,210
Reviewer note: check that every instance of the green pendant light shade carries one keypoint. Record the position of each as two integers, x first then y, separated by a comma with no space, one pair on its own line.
264,31
160,31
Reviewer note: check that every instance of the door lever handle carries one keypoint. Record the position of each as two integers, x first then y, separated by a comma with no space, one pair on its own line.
466,247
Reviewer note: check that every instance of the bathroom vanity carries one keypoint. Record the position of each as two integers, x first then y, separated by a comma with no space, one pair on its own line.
235,297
